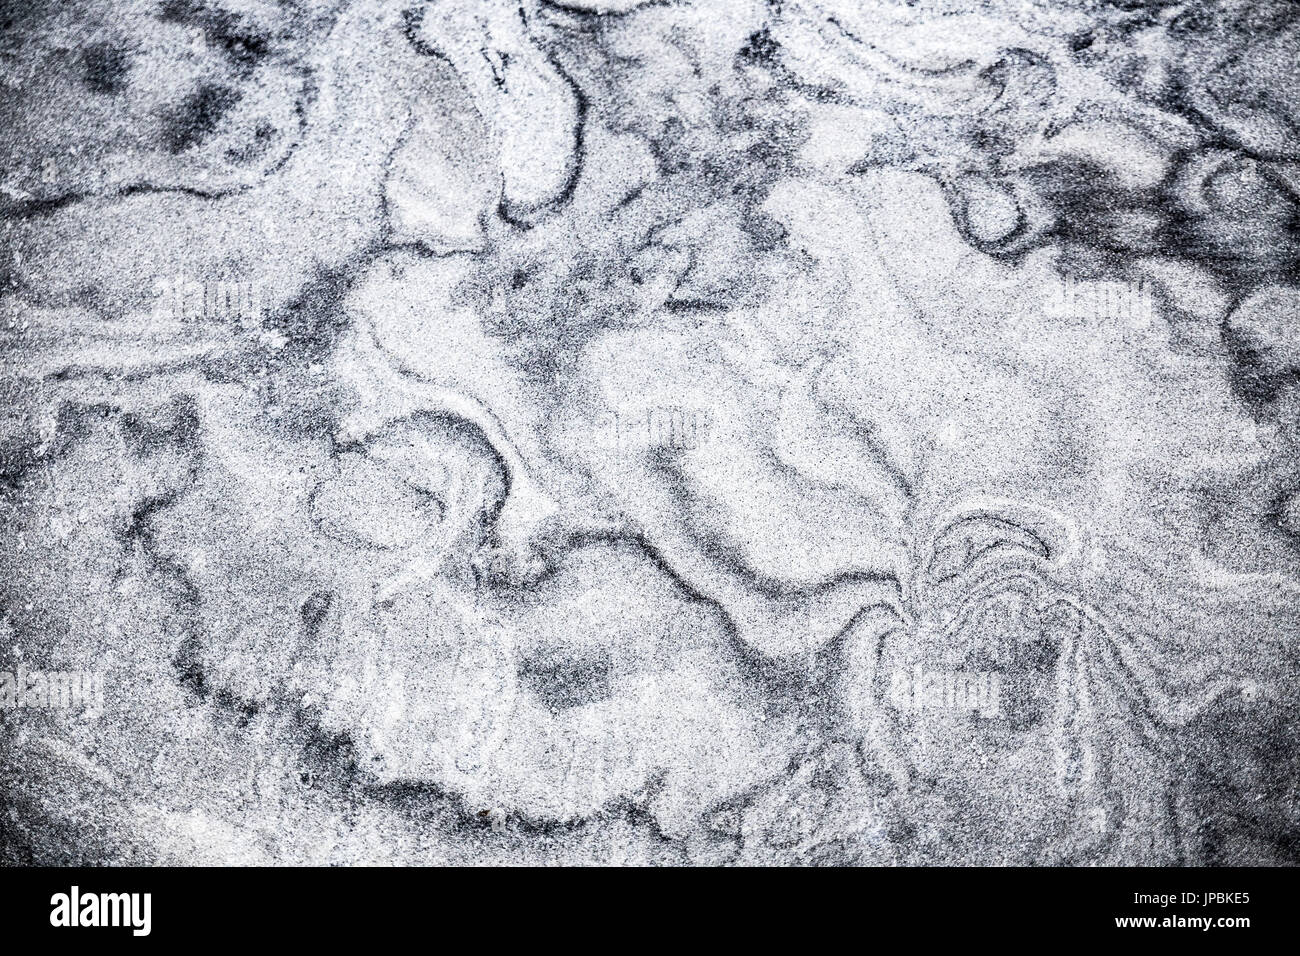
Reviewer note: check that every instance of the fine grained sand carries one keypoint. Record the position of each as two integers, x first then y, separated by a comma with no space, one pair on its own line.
689,432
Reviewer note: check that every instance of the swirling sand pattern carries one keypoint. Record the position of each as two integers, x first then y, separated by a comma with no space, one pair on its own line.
651,431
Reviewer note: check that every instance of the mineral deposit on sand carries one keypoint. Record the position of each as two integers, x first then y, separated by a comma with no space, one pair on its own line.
702,431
